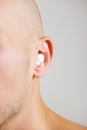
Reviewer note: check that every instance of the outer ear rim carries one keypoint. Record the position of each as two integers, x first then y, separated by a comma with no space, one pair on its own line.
49,41
47,49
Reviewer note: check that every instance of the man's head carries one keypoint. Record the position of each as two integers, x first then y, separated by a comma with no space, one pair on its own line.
21,40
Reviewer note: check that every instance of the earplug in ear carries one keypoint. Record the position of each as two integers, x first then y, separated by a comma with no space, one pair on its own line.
40,59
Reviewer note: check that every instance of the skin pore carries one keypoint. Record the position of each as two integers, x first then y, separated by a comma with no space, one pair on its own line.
21,39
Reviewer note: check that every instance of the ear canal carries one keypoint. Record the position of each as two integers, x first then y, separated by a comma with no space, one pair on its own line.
40,59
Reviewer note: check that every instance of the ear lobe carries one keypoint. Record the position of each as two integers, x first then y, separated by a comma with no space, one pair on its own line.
46,49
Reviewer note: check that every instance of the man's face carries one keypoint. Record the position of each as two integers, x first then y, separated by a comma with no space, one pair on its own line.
15,64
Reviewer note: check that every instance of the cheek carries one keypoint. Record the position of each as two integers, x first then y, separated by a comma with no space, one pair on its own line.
8,62
13,70
13,81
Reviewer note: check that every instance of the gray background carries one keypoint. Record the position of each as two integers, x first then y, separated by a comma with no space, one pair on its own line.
64,87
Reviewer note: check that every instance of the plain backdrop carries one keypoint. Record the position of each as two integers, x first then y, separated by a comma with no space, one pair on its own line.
64,87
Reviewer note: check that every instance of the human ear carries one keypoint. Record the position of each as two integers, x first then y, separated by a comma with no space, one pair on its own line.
44,57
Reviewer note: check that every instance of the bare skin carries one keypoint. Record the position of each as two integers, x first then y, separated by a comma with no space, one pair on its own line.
21,40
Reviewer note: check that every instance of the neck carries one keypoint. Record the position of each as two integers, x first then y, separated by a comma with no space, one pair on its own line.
34,116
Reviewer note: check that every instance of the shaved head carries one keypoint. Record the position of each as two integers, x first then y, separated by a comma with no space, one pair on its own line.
23,13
